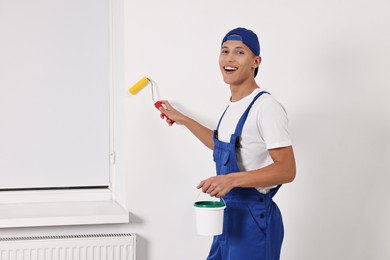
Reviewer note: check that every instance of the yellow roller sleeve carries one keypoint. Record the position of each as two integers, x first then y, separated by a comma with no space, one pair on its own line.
137,86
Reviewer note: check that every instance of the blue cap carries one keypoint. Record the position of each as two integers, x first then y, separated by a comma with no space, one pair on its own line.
248,37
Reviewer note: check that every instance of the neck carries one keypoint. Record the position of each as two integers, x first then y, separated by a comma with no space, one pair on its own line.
242,90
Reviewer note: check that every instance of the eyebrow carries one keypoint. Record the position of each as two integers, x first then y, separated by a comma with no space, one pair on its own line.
237,47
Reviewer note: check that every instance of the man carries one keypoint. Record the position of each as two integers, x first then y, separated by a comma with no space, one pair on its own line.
253,155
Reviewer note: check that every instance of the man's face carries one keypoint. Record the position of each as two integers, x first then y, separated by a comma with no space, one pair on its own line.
237,62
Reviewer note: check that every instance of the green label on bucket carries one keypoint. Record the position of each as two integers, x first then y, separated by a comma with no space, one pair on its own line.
209,204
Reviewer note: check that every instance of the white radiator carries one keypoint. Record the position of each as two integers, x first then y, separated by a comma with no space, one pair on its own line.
78,247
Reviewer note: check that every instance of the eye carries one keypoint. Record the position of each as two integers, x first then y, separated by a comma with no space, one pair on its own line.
240,52
224,51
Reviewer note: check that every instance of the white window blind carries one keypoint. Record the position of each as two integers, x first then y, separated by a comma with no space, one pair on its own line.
54,93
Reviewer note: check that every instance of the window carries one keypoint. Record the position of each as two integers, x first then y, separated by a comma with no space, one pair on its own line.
56,76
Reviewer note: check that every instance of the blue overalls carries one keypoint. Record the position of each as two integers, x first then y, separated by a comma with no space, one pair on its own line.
253,227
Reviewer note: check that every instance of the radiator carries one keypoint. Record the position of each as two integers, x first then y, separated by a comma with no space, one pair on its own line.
77,247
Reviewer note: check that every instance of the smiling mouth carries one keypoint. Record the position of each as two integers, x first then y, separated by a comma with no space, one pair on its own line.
230,69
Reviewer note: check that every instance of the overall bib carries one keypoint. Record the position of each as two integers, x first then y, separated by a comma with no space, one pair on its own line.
253,227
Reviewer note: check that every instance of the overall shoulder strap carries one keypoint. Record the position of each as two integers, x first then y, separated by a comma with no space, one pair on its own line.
221,118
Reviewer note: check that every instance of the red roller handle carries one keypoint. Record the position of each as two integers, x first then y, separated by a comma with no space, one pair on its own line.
158,104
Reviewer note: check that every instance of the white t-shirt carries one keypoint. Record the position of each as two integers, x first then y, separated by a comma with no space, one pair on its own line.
265,128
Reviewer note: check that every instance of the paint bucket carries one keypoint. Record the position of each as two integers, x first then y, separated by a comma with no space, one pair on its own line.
209,217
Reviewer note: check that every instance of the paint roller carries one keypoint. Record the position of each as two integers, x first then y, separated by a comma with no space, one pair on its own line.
141,84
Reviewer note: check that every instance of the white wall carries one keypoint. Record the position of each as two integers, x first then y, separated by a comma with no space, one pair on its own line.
326,61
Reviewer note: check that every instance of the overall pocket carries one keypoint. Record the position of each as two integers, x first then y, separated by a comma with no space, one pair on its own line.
221,159
259,217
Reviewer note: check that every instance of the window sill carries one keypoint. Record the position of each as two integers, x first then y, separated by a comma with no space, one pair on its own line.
62,213
59,208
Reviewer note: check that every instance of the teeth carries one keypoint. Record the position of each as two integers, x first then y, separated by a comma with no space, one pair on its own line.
231,68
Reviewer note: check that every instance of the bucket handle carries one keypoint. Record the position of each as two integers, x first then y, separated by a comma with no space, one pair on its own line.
200,192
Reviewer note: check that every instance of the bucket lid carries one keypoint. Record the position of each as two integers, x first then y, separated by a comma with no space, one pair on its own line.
209,204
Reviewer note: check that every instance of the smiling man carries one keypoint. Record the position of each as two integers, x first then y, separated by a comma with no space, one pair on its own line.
253,154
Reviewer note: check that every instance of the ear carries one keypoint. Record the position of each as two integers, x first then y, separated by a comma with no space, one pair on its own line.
257,62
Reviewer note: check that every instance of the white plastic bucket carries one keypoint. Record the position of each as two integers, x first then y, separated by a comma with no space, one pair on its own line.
209,217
